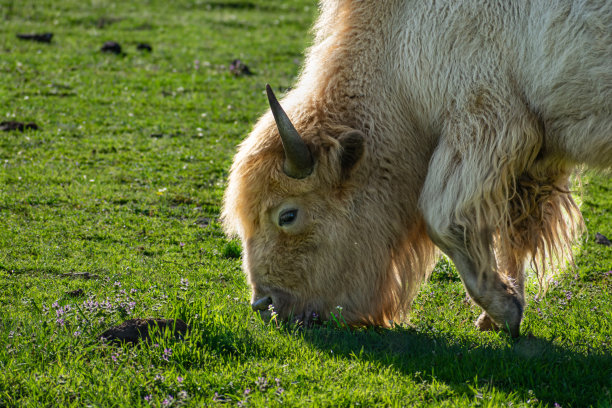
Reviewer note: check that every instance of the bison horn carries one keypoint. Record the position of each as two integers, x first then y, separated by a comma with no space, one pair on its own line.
298,160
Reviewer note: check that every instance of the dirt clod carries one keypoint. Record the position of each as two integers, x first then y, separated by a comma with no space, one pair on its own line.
111,47
7,126
239,68
38,37
134,330
602,240
75,293
144,47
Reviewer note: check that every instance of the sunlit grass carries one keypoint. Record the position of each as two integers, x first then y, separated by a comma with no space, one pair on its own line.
110,212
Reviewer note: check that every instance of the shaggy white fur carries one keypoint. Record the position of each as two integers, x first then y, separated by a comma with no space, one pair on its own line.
457,122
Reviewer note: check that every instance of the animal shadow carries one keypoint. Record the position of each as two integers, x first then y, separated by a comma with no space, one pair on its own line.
531,367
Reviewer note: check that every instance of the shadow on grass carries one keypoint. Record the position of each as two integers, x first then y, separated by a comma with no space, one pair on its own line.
532,368
529,366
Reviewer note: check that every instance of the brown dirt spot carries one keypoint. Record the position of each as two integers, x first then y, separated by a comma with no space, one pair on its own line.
38,37
135,330
602,240
10,125
75,293
111,47
239,68
144,47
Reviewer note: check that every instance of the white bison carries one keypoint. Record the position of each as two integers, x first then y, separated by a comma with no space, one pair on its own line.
414,123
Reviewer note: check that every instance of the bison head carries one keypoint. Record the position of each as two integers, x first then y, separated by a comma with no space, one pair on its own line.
304,206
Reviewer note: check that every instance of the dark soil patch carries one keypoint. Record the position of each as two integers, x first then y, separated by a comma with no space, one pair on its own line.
144,47
111,47
239,68
10,125
234,5
76,293
38,37
135,330
602,240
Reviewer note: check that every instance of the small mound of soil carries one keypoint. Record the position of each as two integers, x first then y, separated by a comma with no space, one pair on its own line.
7,126
75,293
144,47
239,68
38,37
111,47
602,240
135,330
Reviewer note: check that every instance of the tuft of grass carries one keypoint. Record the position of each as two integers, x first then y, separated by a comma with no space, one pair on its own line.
110,212
232,249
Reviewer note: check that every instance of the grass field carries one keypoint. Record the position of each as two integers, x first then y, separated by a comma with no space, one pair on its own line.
118,194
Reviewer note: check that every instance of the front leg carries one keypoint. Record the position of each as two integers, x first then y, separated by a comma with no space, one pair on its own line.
499,297
486,145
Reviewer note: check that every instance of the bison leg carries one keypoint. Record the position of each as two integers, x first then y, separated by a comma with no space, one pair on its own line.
501,297
543,221
511,264
467,198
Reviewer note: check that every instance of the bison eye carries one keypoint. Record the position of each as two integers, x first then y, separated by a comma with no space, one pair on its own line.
287,217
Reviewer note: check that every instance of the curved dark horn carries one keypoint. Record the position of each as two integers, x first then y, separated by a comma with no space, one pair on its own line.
298,160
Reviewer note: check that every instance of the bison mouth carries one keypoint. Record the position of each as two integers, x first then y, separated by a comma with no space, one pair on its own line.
281,305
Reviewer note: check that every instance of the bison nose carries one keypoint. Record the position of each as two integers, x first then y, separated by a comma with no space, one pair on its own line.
261,304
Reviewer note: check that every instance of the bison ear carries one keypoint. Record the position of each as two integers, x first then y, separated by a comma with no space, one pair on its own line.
353,148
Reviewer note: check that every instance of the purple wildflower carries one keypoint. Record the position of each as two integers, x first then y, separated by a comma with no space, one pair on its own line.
262,383
167,354
273,313
168,401
220,398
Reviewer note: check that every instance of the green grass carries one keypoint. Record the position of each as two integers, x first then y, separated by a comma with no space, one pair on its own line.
124,182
